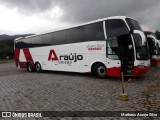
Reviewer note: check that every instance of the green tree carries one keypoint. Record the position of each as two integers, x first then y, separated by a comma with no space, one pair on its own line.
6,48
157,33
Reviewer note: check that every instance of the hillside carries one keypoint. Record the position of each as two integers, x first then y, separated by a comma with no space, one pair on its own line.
12,37
6,48
7,44
157,33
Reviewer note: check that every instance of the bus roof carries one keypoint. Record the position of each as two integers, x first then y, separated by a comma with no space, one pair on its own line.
98,20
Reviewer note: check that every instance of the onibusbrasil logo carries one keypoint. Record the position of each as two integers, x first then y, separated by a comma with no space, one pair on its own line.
21,114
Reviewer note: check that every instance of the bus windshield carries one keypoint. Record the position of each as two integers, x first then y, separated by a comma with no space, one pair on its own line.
133,25
152,46
142,52
154,35
116,27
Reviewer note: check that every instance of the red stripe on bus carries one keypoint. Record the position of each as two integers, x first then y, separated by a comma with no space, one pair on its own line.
22,64
28,56
140,71
114,72
154,62
16,56
88,73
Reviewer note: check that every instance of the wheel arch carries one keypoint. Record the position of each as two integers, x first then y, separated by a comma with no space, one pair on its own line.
29,62
96,62
37,61
32,63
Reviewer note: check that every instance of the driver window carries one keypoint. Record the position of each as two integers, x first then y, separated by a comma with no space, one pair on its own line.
112,48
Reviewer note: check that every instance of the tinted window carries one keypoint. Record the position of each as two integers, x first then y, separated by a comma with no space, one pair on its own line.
116,27
137,40
91,32
17,45
36,41
150,42
59,38
142,52
94,32
28,42
134,25
47,39
75,35
152,46
25,43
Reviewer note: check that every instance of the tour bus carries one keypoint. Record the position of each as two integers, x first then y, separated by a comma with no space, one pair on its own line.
154,47
105,47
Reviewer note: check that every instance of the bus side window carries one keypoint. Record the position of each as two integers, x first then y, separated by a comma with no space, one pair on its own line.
94,32
26,43
47,39
90,32
112,48
75,35
59,37
36,41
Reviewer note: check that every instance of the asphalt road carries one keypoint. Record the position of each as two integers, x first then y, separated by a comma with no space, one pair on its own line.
61,91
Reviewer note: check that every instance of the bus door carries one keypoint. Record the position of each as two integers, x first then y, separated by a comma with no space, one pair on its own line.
126,54
113,57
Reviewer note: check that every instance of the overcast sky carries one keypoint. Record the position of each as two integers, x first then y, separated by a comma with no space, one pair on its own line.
38,16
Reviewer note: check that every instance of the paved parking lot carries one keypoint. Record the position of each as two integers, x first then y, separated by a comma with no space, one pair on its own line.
60,91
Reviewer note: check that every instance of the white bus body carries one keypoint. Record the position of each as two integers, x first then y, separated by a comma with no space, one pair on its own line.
154,47
99,55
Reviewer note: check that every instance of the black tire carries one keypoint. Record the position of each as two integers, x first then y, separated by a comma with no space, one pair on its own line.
29,67
99,70
38,67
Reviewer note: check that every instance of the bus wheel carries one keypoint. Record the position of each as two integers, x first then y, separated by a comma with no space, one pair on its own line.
99,70
29,67
38,67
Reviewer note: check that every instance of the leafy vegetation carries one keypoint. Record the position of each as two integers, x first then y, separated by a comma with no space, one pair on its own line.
6,49
7,45
157,34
